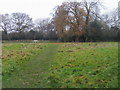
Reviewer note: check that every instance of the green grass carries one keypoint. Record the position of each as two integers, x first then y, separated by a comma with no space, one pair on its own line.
14,55
60,65
85,65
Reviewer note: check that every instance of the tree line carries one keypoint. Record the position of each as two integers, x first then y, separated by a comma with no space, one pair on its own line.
71,22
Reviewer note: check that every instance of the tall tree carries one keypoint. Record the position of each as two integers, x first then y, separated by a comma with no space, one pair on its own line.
69,19
90,6
5,23
45,28
21,22
60,20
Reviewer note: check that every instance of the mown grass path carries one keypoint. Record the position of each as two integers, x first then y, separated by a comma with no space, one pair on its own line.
34,72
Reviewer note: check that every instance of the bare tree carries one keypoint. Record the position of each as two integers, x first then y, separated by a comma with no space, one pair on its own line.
111,18
21,22
114,18
5,23
90,6
45,27
41,24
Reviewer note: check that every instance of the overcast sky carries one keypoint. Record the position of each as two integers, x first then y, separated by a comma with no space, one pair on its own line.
42,8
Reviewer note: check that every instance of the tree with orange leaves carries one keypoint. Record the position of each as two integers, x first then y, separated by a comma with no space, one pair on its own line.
69,20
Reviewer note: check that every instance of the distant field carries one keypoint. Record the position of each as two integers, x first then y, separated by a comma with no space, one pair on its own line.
60,65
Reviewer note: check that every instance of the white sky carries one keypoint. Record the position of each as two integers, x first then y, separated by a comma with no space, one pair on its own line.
42,8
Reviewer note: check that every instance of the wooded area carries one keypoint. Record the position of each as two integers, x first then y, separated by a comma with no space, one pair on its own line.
71,22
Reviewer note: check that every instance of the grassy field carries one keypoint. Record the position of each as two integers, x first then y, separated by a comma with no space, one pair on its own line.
60,65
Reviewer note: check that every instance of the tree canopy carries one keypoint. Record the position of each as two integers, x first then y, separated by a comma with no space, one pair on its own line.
71,21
